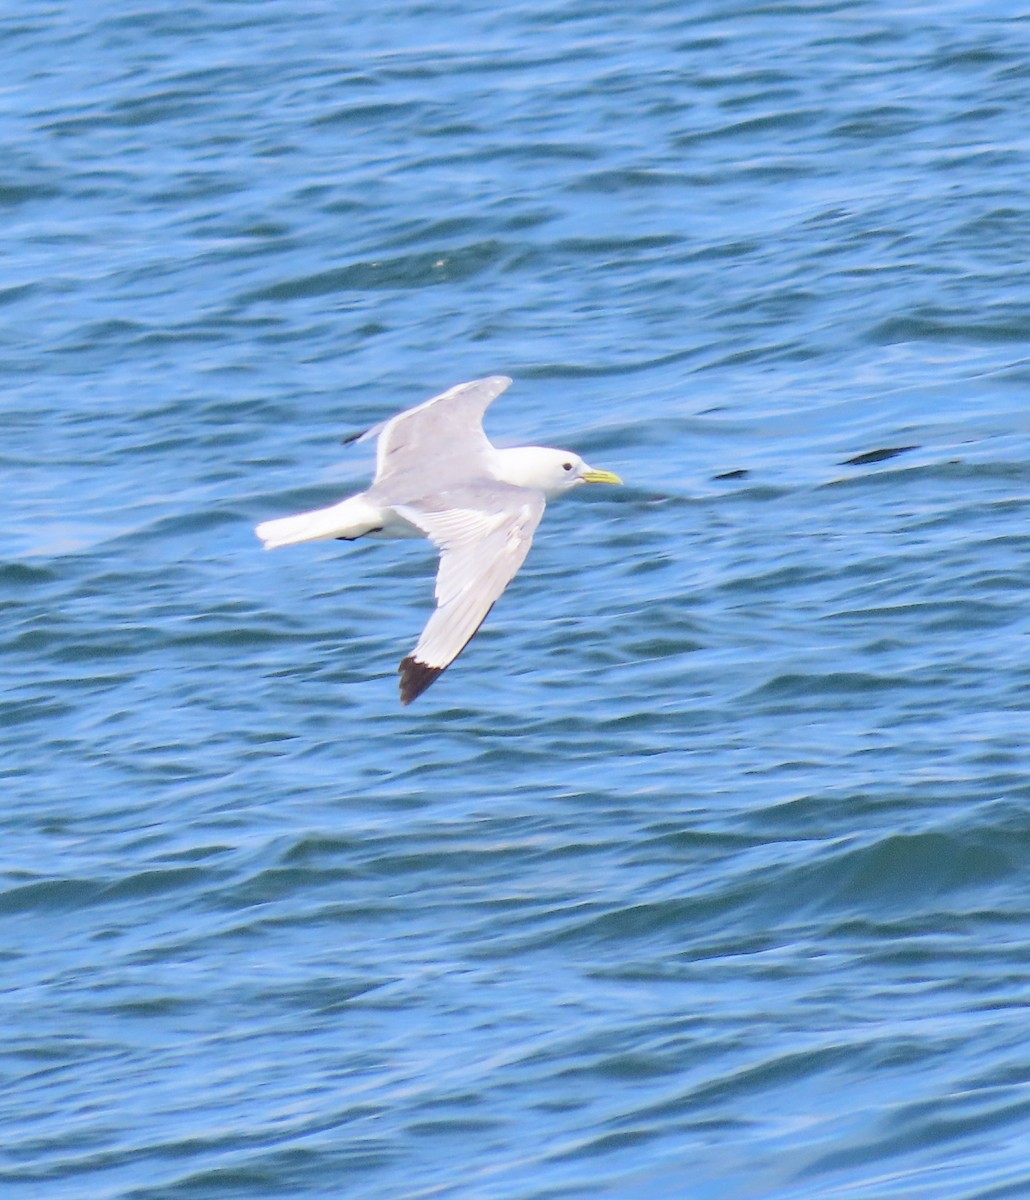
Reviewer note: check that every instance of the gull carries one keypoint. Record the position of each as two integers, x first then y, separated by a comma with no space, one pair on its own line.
438,476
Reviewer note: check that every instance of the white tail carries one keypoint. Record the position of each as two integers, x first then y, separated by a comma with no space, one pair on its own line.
348,519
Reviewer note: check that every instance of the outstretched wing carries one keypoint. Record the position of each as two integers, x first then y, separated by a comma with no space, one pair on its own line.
444,435
483,534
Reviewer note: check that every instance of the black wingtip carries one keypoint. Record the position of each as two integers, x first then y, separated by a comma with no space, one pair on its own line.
351,438
415,678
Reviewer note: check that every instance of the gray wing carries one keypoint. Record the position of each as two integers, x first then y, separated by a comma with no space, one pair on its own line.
483,535
442,439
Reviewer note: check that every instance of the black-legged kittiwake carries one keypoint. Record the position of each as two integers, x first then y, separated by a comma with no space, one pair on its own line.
439,476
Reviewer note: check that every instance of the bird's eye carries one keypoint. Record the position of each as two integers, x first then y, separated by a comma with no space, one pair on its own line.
566,466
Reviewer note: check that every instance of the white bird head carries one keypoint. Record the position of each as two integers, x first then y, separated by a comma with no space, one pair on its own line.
549,471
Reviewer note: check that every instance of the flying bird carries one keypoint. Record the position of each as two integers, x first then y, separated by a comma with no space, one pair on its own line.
439,476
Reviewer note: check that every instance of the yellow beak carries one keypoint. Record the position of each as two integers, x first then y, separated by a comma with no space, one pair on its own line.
592,476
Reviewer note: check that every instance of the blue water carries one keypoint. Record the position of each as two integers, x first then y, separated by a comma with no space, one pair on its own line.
704,872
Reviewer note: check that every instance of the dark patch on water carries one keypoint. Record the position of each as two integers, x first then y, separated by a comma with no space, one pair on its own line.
876,456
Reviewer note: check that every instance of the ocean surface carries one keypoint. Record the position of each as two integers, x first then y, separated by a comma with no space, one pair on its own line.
704,873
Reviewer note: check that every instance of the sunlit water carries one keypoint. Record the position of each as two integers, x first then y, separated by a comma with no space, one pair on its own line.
703,873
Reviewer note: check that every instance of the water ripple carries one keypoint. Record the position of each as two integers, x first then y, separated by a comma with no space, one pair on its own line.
702,870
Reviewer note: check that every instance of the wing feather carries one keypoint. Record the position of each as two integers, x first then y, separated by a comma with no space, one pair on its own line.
445,432
481,548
